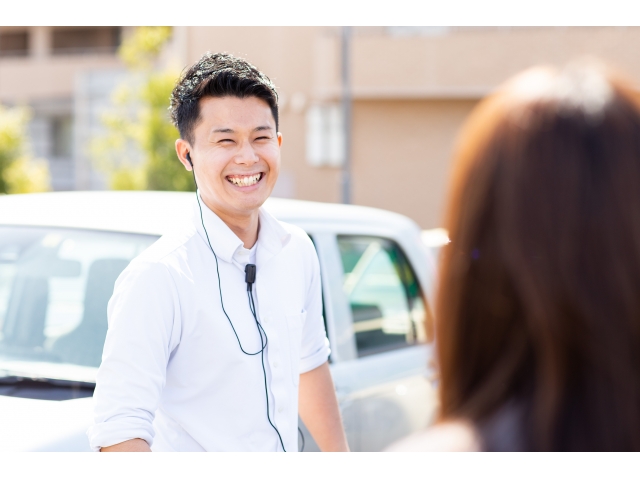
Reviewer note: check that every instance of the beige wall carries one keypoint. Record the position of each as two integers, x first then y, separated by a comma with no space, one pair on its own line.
401,152
24,80
42,76
467,61
411,93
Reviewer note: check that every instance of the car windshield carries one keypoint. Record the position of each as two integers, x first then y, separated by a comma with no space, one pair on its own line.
55,284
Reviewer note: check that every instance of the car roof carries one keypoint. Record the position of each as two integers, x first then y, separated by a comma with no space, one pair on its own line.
156,213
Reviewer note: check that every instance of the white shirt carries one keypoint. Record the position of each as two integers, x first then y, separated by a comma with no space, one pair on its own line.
172,371
244,256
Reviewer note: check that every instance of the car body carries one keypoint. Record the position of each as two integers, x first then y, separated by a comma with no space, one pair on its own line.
60,254
435,239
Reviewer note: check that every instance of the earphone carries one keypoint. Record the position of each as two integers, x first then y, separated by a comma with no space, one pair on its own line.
250,278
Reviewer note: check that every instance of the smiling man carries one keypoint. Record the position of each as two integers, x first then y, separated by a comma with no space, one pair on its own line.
216,340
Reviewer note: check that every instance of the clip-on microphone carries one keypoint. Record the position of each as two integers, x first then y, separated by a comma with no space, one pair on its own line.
249,275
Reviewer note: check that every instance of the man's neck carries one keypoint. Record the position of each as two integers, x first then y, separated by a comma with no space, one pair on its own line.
245,227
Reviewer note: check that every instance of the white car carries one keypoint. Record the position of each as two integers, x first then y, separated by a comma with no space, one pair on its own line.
60,254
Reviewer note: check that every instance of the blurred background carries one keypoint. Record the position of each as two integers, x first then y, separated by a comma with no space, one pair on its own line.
369,115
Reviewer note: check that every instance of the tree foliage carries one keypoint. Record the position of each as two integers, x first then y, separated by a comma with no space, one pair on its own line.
143,47
19,171
137,151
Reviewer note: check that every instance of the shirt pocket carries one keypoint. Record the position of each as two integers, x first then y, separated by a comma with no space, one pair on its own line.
295,323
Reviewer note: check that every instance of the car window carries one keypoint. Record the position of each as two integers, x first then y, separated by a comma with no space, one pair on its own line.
54,288
386,301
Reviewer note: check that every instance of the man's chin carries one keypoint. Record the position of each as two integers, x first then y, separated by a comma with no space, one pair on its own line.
248,206
250,200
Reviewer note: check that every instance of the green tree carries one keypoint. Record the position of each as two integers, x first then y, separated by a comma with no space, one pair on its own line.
143,47
137,151
19,171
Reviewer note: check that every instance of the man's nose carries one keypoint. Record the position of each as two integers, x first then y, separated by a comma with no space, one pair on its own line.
247,155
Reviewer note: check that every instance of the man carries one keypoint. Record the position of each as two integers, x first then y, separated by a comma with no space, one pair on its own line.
199,355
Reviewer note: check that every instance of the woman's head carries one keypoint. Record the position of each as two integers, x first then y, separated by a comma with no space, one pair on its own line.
539,291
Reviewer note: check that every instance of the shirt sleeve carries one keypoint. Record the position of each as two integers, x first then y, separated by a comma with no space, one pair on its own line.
144,328
315,345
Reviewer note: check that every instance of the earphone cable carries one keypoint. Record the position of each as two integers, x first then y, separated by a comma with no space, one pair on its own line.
264,371
263,345
253,311
252,308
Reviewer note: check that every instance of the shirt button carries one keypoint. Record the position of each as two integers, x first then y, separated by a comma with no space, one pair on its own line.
280,410
275,364
266,319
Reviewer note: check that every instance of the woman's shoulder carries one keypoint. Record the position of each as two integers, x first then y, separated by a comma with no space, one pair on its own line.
450,436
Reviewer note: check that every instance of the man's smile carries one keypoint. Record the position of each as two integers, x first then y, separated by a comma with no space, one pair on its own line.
245,180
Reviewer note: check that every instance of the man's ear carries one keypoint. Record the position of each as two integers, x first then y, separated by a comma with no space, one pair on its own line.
182,149
279,139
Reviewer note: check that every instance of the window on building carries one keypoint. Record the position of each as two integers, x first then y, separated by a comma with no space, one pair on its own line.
386,301
325,135
14,44
61,136
82,40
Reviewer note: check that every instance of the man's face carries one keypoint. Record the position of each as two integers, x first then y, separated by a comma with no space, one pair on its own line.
236,154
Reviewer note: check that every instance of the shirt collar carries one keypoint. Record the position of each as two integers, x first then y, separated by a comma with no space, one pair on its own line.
272,236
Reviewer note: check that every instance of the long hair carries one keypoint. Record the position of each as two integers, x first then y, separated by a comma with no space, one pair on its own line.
538,302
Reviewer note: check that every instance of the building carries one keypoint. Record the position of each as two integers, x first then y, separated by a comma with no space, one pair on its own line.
412,88
41,67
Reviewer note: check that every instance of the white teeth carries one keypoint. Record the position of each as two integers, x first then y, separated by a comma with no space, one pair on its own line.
245,181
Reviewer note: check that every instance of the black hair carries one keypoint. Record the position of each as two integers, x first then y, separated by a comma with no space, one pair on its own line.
217,75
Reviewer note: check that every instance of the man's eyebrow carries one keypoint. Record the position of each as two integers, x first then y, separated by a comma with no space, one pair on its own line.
230,130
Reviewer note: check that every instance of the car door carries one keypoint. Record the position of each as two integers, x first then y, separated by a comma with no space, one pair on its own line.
338,327
382,381
386,383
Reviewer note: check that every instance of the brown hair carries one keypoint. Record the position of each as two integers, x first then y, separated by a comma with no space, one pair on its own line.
539,291
217,75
